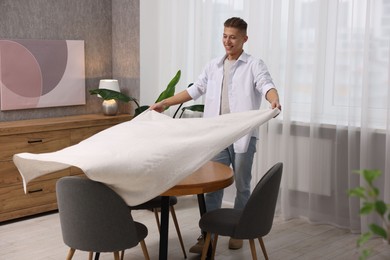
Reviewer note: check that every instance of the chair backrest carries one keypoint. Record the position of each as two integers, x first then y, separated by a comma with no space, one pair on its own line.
93,217
257,216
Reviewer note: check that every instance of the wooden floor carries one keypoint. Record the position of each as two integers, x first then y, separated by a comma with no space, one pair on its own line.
40,238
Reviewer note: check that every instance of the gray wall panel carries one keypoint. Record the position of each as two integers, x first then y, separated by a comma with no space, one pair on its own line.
88,20
126,49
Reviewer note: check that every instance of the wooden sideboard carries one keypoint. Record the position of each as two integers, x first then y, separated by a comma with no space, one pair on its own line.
41,136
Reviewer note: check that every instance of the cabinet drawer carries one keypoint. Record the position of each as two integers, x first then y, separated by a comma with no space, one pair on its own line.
78,135
8,215
9,175
33,143
41,136
13,198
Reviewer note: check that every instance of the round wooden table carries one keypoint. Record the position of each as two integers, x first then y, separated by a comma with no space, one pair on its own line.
210,177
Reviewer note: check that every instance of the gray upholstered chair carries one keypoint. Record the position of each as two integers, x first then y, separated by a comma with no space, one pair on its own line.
154,205
96,219
254,221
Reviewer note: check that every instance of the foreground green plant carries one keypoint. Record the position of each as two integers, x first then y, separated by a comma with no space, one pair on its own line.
369,194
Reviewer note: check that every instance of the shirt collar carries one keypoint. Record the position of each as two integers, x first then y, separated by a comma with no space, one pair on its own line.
243,57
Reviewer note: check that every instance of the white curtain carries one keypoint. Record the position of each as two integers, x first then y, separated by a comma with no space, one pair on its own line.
330,61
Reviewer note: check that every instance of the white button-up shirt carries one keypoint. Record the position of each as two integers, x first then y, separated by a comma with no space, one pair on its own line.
250,80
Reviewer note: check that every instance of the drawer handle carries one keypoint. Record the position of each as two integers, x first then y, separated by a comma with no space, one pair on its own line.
34,191
35,141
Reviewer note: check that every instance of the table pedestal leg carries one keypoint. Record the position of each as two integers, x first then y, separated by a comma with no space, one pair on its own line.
202,211
163,253
202,204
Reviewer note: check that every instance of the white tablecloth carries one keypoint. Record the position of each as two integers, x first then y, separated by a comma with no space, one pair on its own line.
144,157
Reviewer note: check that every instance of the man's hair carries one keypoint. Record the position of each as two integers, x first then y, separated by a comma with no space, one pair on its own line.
236,22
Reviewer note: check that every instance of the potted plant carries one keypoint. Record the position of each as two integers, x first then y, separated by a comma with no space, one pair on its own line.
107,94
369,195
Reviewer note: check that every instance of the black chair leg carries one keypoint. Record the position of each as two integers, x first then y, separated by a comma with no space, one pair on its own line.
164,223
202,211
97,255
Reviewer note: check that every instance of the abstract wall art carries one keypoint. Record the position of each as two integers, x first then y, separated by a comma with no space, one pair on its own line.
41,73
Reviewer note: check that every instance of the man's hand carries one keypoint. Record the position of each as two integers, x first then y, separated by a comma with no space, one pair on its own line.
276,104
273,98
179,98
159,107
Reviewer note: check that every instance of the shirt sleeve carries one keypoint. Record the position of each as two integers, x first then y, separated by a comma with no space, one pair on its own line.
200,85
263,78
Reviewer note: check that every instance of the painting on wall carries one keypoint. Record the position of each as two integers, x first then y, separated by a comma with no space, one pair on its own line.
41,73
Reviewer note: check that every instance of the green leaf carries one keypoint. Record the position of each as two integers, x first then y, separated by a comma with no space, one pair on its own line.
365,254
358,192
367,208
358,172
170,90
364,238
195,108
107,94
139,110
380,207
375,192
378,230
371,175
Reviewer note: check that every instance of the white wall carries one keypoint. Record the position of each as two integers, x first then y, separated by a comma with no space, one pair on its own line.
149,59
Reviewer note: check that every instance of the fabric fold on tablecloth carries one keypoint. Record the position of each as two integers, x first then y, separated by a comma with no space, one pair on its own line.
142,158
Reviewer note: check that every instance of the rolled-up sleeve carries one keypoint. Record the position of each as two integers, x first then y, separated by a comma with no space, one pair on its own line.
195,91
263,79
200,85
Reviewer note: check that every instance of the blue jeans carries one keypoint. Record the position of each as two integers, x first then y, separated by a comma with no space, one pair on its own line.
242,167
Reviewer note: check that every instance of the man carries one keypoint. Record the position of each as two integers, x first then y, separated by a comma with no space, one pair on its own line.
232,83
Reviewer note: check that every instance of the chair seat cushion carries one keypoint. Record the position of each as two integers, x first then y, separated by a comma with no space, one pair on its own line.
142,231
220,221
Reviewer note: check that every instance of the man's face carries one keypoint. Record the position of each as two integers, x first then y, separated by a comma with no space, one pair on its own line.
233,40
